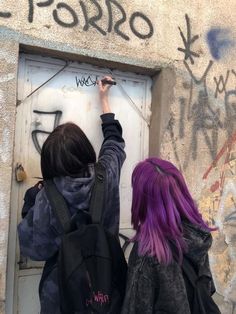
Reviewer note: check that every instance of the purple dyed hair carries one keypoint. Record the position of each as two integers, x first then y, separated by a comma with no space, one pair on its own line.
161,201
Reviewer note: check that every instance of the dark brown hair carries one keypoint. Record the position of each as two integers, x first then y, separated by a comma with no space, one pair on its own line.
66,152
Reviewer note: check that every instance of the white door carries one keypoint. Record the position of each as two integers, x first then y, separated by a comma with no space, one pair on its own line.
71,95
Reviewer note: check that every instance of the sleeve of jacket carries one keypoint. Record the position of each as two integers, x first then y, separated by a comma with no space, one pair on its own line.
112,156
38,238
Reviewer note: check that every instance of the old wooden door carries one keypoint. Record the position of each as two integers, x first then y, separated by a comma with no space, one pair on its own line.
71,95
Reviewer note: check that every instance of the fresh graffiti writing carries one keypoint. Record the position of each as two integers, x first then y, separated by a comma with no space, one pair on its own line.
103,19
85,81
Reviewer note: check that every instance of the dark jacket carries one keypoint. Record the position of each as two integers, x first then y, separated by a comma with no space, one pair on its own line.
153,288
39,231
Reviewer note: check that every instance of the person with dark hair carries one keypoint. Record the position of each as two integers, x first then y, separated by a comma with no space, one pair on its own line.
168,229
68,158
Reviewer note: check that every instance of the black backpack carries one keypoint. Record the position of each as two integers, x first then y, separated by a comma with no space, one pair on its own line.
91,264
198,290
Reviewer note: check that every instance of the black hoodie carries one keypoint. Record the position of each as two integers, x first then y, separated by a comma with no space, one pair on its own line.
153,288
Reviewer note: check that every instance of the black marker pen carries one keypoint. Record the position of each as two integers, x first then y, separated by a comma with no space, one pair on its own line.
104,81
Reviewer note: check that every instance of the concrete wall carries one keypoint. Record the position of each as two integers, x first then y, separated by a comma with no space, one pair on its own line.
194,98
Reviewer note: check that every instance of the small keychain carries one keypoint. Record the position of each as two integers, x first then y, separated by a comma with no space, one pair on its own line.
20,173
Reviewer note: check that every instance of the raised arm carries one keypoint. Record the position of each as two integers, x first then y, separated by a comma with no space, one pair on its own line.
112,153
111,156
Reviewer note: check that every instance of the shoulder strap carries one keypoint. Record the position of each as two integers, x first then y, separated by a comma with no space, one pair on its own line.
189,271
58,205
98,195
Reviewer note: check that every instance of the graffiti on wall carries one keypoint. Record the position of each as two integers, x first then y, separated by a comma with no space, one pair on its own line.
204,121
107,15
87,81
36,132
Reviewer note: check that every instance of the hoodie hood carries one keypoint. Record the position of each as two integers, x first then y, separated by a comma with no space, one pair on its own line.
76,191
198,242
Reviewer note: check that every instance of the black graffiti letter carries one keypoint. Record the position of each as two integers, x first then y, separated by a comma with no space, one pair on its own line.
45,3
62,5
5,15
92,21
188,53
223,82
119,22
39,4
34,133
146,19
31,11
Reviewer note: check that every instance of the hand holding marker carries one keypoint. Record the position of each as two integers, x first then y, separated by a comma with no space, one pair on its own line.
105,81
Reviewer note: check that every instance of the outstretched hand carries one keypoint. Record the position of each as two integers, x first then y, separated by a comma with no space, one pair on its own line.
103,93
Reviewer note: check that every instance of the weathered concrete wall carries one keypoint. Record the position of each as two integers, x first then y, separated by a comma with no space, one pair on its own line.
195,42
8,66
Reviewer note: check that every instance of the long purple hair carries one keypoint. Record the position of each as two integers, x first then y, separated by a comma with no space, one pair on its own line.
161,201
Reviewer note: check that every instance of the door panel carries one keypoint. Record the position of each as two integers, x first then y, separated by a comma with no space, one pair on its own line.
72,95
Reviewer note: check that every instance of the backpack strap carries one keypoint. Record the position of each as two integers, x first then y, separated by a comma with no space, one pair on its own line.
98,195
58,204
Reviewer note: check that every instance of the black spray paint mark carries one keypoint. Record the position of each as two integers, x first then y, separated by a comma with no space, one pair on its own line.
119,22
221,84
205,121
170,128
230,111
234,73
75,20
203,78
85,81
5,15
145,19
31,11
231,216
34,133
182,102
39,4
45,3
188,42
92,21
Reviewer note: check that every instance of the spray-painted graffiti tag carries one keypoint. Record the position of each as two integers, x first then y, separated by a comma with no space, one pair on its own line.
188,42
35,133
86,81
67,16
197,112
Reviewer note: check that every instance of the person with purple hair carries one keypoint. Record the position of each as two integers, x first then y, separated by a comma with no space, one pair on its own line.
169,229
